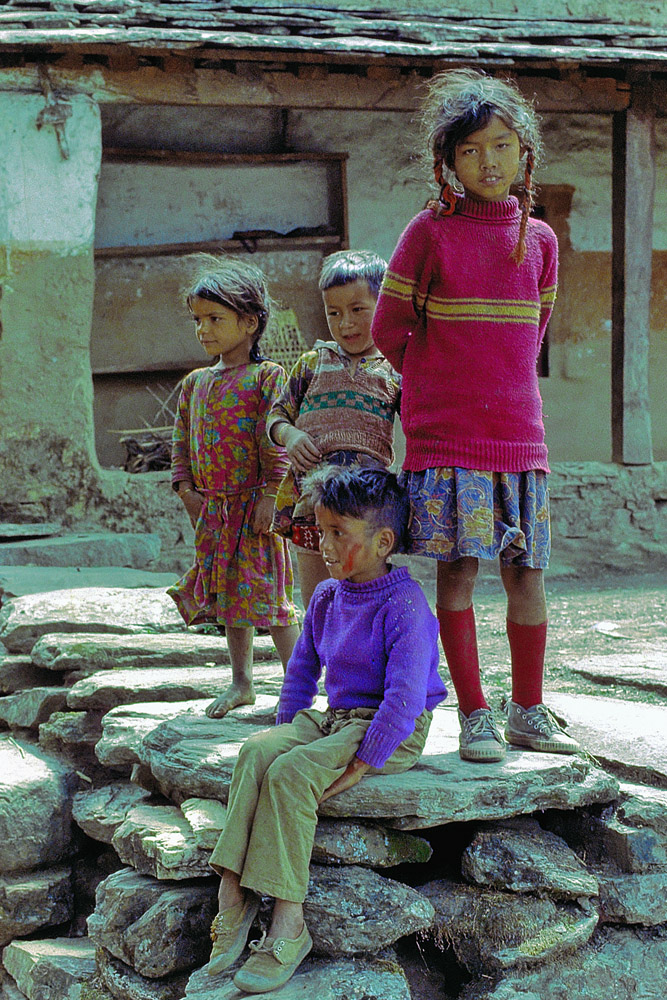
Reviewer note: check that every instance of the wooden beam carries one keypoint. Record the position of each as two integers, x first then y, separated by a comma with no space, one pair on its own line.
633,187
253,85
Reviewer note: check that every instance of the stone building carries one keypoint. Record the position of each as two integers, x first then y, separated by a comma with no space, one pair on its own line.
133,134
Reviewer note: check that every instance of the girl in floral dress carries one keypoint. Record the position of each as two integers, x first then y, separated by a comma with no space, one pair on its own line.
226,472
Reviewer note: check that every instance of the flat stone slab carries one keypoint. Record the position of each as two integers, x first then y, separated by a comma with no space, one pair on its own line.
91,548
491,931
157,840
123,983
36,792
618,964
35,899
350,978
18,673
11,531
53,969
100,811
87,653
189,757
107,689
157,928
124,727
646,671
626,736
637,898
352,910
72,733
17,581
519,856
206,818
88,609
27,709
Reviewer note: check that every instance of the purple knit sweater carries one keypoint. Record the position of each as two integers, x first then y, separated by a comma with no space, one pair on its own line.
463,323
377,643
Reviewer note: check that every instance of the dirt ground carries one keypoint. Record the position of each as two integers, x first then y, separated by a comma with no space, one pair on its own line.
591,614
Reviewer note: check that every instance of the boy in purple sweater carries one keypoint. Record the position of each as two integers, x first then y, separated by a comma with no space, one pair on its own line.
370,629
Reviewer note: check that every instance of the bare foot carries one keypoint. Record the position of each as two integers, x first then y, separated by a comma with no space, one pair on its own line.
232,697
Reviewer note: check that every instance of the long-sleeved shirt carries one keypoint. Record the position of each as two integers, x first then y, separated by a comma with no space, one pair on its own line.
463,323
377,644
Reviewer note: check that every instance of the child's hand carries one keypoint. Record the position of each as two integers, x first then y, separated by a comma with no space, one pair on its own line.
193,503
353,773
263,514
302,451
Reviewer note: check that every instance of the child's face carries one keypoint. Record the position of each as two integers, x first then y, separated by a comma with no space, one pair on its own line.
487,161
349,310
222,331
351,548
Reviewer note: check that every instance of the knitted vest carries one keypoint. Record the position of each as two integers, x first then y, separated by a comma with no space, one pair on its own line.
344,412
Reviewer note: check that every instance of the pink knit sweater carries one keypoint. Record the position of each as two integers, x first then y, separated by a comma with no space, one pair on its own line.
463,323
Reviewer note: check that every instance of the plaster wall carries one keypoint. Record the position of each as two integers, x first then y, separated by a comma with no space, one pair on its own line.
47,220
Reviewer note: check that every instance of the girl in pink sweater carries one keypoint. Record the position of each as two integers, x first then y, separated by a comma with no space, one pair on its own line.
461,314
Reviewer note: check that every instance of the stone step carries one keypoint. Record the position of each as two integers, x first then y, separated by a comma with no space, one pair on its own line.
189,757
374,977
159,928
124,727
11,532
19,672
626,737
619,964
171,843
88,609
32,900
53,969
88,652
73,736
646,671
17,581
107,689
491,931
36,793
89,548
27,709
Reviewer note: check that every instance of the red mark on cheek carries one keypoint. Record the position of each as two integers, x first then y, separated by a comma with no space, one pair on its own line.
349,562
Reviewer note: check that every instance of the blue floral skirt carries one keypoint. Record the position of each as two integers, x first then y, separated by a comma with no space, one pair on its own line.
464,512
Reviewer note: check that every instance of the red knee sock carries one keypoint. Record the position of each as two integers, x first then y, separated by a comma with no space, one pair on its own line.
459,641
527,645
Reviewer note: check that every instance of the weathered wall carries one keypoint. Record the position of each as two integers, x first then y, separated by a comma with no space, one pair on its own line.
46,282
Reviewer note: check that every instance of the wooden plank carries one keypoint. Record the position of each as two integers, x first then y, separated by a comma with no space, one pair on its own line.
633,188
326,243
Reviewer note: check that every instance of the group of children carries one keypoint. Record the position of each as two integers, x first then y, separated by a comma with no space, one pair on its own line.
448,335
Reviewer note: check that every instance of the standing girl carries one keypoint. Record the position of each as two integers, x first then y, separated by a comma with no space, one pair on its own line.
462,314
226,471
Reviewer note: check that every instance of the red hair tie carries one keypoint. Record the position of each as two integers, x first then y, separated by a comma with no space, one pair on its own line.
447,198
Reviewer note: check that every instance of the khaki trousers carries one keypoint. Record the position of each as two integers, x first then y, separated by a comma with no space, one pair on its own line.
278,780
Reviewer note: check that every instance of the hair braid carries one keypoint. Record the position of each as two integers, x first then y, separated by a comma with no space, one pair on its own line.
526,200
446,202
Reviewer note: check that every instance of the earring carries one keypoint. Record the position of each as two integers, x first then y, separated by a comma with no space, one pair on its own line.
447,198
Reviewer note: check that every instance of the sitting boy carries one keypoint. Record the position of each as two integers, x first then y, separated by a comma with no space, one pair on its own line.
372,628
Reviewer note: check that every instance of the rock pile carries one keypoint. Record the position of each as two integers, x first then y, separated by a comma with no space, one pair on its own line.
540,877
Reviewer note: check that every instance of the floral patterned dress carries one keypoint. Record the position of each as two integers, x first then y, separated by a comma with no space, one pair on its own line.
221,447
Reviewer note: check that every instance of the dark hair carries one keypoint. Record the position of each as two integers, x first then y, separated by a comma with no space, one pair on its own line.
462,101
236,284
372,495
345,266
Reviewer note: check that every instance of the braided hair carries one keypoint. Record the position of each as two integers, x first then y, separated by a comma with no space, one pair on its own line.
464,101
